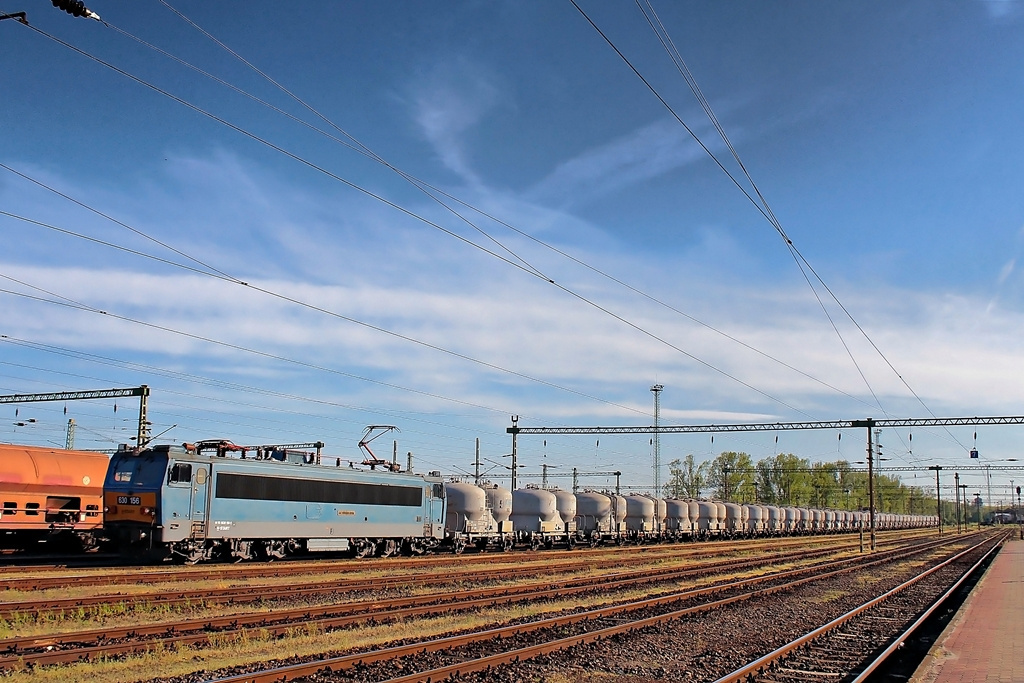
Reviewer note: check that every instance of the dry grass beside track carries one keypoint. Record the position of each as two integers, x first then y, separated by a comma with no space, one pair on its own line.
308,640
118,613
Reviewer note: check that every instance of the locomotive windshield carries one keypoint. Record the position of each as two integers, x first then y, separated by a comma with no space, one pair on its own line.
133,470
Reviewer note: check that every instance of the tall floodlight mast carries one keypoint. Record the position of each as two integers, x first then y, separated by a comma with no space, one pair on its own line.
656,389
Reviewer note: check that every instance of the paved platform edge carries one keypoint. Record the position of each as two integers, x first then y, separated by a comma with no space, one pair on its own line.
940,654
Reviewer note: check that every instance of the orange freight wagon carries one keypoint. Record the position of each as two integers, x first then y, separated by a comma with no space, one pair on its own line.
50,495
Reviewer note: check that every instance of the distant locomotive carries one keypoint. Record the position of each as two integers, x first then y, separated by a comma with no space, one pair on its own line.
183,502
50,496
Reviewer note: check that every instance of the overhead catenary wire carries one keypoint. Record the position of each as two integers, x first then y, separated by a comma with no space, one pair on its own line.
638,328
188,377
207,381
659,28
761,204
359,147
319,309
67,302
414,215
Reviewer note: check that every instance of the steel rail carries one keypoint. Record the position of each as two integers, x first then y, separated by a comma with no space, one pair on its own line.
250,594
296,671
547,591
897,643
327,566
323,566
382,608
749,672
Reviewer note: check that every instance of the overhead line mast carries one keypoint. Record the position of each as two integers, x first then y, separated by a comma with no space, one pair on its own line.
656,442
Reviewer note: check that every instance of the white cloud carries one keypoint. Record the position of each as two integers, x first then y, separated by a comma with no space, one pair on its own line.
645,153
1001,9
1007,270
448,100
357,260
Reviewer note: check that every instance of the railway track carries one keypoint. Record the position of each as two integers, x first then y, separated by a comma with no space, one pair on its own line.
86,644
118,643
847,648
44,577
307,589
462,656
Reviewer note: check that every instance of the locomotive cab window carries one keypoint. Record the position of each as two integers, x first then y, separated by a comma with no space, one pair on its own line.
124,472
180,473
439,491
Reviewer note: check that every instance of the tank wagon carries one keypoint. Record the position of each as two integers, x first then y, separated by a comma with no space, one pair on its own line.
641,519
678,525
208,501
50,496
477,515
536,517
755,520
565,503
600,517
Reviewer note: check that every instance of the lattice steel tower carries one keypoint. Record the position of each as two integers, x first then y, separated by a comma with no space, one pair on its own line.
656,389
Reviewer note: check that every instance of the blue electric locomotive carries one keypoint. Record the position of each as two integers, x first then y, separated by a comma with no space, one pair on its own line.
265,502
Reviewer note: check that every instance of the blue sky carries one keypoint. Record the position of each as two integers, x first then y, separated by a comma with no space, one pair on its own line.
886,139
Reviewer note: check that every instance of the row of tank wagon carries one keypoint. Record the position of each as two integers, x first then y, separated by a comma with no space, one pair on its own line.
488,515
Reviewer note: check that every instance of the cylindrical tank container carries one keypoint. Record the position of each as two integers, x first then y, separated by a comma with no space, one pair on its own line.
733,518
721,515
467,509
806,519
707,517
640,511
817,520
593,512
677,516
755,519
775,519
830,520
499,500
619,512
694,514
791,519
660,514
535,510
565,503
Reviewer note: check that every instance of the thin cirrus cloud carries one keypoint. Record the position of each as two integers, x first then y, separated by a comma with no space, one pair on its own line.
448,100
645,153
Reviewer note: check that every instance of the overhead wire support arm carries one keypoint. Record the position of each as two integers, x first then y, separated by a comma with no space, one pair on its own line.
75,395
141,438
774,426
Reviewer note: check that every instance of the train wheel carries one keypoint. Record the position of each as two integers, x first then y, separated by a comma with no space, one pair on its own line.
389,548
458,546
506,543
